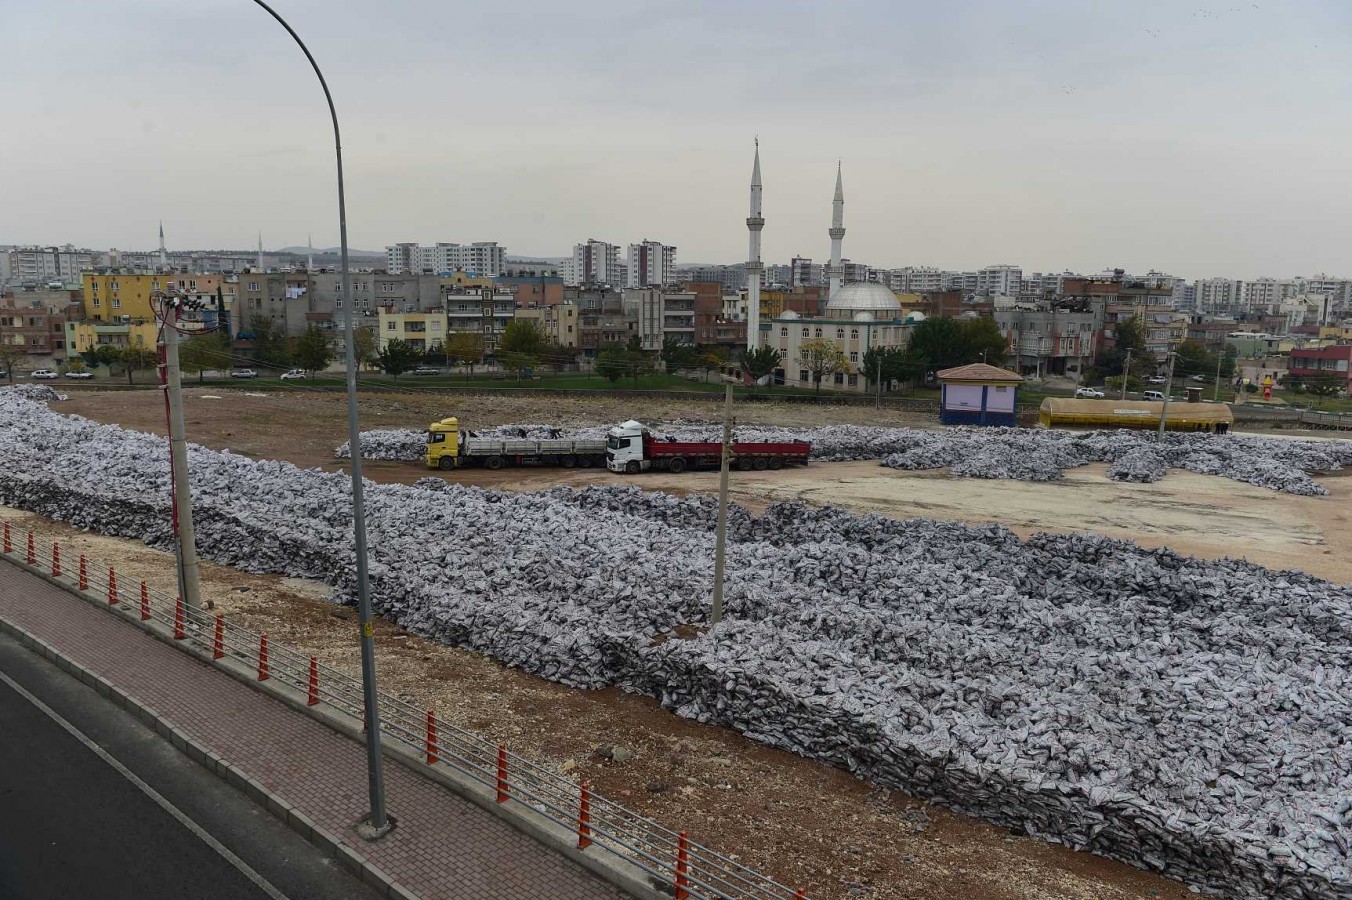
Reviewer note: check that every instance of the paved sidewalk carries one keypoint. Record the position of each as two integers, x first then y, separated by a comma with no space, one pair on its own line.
444,846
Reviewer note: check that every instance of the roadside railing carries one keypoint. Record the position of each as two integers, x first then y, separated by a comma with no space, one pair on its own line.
680,866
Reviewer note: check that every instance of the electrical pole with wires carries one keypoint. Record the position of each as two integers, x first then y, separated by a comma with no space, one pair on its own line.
185,534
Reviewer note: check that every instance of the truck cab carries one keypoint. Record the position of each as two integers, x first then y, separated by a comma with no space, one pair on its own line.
624,448
443,444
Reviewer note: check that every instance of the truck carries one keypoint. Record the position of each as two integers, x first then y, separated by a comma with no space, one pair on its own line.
631,448
447,449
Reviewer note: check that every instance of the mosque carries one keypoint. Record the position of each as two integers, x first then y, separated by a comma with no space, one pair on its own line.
858,316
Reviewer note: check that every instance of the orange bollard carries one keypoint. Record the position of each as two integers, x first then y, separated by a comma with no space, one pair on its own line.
584,818
112,587
682,867
179,631
56,560
263,673
218,640
312,694
800,894
32,549
8,545
145,602
84,573
431,737
502,773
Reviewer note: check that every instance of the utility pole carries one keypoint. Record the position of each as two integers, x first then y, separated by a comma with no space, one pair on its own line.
185,534
1126,373
1216,391
721,539
878,377
1168,387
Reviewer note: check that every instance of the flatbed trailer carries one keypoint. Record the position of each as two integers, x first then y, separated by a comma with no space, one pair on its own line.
632,448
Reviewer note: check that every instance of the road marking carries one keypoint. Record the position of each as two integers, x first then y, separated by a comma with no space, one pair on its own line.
263,884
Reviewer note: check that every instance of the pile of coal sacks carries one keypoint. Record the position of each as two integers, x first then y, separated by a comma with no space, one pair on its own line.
1187,716
1023,454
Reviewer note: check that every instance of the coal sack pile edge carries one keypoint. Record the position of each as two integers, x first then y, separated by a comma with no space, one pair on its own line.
1023,454
1187,716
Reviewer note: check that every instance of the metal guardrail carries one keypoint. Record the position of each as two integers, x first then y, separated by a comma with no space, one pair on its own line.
687,869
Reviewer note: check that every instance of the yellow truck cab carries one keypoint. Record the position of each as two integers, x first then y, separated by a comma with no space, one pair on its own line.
443,444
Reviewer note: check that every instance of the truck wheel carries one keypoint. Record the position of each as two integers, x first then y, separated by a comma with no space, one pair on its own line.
761,464
632,467
677,465
494,462
568,461
446,462
776,463
744,463
584,462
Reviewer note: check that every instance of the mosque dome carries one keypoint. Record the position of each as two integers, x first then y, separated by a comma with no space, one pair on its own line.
865,316
863,296
788,314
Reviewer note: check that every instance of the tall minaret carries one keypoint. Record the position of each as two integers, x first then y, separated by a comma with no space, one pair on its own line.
310,260
754,266
836,272
164,254
260,251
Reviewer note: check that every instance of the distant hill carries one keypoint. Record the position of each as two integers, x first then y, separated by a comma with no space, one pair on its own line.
328,251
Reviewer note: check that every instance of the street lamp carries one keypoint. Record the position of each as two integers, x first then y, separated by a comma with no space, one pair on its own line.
377,824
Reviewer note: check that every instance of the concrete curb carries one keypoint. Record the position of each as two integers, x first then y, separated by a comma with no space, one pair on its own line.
608,866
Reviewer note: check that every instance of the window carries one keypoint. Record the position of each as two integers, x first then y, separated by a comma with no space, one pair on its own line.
854,334
819,333
854,357
802,374
253,285
94,286
390,326
387,288
840,334
117,304
783,332
805,332
852,380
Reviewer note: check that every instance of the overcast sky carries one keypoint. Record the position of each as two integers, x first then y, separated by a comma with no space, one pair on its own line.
1201,140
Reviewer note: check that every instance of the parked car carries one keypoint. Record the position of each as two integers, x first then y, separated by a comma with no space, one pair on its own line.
244,373
294,375
1156,379
1201,378
426,370
82,374
1152,395
1089,394
42,373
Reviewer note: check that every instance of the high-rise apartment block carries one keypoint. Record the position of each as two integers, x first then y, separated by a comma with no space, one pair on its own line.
31,266
482,259
596,263
651,264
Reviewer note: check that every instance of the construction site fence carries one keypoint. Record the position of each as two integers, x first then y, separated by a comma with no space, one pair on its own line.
683,867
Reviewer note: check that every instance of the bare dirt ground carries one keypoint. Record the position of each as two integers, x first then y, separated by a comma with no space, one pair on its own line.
804,823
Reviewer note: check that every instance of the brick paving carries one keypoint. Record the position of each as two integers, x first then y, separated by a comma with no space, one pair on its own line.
443,847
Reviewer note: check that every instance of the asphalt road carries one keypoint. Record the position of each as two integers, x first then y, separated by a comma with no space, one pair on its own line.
74,822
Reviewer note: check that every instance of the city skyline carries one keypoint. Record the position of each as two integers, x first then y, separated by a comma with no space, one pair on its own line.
1054,137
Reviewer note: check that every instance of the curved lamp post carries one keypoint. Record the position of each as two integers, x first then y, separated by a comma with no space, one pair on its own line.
378,823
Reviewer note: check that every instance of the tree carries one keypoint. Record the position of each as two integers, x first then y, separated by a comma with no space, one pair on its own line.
210,350
524,343
1324,385
313,351
366,345
677,354
466,347
12,350
637,361
713,358
891,364
74,364
822,358
1228,361
1191,358
134,357
939,343
612,362
397,357
761,362
270,344
983,342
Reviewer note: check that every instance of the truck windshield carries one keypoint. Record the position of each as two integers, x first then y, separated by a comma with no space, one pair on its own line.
617,443
436,437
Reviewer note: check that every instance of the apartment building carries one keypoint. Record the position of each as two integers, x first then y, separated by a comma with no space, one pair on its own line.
651,264
485,259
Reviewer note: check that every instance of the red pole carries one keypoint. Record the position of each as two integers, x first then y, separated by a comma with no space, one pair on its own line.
112,586
800,894
312,698
218,640
8,546
179,632
682,867
431,737
84,573
263,657
502,773
56,560
32,549
584,818
145,602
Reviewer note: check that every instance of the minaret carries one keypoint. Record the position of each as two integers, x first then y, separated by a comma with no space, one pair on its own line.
754,266
836,272
260,251
310,260
164,254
